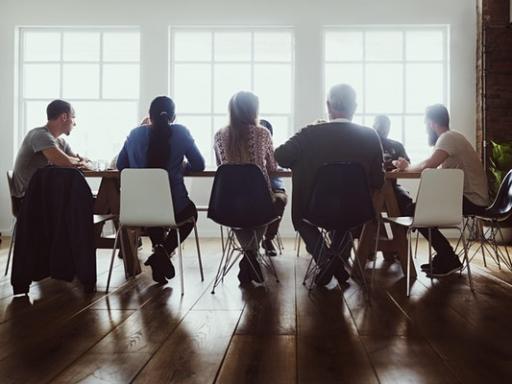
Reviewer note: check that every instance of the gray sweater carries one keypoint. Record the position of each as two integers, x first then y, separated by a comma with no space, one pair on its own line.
316,145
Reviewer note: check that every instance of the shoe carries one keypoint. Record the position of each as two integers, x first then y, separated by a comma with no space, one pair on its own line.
445,268
161,265
435,258
341,274
156,273
269,248
254,267
244,275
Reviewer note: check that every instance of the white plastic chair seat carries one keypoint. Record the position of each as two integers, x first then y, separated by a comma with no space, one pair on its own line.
404,221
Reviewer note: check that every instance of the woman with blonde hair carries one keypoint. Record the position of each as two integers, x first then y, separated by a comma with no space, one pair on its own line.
244,141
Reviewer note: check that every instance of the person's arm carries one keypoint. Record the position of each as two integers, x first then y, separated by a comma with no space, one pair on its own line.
402,152
123,161
57,157
434,161
287,154
195,161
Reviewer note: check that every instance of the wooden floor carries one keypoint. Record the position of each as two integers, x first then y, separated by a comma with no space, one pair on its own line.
145,333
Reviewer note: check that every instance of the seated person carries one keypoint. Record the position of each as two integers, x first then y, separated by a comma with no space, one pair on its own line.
244,141
338,140
165,145
44,146
451,150
391,149
280,199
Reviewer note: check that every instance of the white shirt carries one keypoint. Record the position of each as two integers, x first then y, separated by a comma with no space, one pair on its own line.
462,155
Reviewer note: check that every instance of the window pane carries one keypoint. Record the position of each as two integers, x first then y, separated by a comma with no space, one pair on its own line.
81,46
121,46
344,46
416,140
270,46
35,114
41,46
121,81
384,88
192,88
280,127
232,46
272,84
351,74
201,130
81,81
395,131
424,45
90,136
229,79
41,81
384,46
192,46
220,121
424,86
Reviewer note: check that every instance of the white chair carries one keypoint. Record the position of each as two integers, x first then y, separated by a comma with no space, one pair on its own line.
146,201
438,205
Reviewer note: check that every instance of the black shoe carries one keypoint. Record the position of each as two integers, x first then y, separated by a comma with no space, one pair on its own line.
269,248
254,267
244,276
435,261
341,274
156,272
445,268
161,265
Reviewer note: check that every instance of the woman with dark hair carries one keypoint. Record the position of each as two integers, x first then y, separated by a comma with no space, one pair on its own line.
245,141
162,144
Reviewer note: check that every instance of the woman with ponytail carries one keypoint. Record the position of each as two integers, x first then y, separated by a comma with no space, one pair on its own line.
162,144
245,141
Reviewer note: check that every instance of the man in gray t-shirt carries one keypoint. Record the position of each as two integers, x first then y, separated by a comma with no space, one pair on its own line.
43,146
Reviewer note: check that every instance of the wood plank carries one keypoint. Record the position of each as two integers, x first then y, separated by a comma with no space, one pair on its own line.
194,351
260,359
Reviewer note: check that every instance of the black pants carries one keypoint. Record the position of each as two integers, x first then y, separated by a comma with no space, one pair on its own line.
314,241
440,244
159,235
279,199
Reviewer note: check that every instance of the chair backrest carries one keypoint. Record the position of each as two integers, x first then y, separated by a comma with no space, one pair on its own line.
240,197
340,198
502,205
439,200
146,198
14,204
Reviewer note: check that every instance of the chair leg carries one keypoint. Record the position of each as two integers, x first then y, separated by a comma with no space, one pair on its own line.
298,244
112,258
222,239
180,256
198,251
375,253
508,262
467,260
408,282
11,248
358,262
219,270
430,252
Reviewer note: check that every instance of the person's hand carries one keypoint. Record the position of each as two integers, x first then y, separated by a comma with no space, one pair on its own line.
401,164
84,165
83,158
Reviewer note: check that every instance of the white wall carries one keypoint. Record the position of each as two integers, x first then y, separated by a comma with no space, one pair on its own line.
305,16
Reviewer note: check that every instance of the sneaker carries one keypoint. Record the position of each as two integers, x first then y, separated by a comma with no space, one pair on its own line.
341,274
269,248
156,272
426,267
161,265
445,268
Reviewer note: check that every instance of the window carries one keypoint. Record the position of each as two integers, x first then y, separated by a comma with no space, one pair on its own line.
95,69
208,66
397,71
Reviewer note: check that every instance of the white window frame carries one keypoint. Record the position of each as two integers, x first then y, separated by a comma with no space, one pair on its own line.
445,61
23,128
233,29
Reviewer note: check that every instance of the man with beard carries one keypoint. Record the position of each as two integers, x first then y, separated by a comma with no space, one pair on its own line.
451,150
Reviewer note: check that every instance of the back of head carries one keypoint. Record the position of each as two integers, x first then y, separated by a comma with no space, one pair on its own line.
382,125
342,100
243,114
266,124
161,113
438,114
57,108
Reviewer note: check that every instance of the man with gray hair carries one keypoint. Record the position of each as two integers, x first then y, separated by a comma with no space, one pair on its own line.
334,141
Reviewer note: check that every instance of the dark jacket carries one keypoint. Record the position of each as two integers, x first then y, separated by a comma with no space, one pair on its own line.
393,149
316,145
55,230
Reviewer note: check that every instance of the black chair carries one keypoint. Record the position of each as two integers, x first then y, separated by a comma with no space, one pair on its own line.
499,211
15,208
240,199
341,202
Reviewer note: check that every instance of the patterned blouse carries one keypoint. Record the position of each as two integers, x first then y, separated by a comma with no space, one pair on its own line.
261,150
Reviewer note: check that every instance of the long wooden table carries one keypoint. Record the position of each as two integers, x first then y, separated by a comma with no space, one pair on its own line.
384,201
